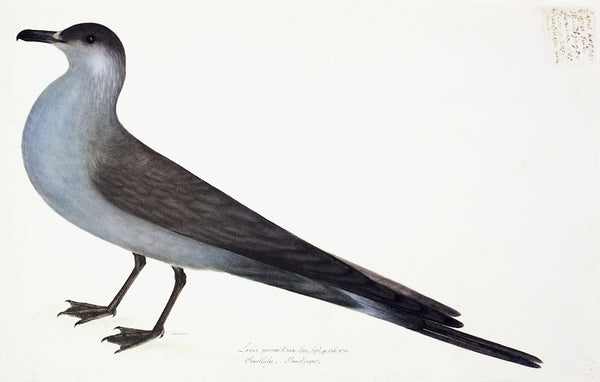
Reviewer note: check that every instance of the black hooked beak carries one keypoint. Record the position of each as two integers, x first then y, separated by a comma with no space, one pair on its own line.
40,36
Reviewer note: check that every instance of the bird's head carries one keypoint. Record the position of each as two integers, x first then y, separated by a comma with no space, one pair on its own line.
90,47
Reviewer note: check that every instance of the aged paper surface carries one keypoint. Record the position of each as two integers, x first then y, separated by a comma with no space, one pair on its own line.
434,143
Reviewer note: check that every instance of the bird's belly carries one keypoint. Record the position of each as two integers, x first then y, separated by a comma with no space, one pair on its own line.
63,182
55,148
56,164
56,154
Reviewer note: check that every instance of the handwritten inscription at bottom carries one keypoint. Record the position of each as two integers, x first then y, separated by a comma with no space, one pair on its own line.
264,356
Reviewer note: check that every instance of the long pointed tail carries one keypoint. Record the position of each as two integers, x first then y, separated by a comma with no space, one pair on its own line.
467,341
406,308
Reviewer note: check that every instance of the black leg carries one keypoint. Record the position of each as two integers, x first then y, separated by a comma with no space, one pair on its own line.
88,312
129,337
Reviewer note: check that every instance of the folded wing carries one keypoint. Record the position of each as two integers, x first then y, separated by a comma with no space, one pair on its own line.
146,184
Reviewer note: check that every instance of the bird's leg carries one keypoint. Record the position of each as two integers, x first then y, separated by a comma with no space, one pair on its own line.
129,337
88,312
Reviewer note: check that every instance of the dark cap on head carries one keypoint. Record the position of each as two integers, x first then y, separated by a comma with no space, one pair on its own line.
83,34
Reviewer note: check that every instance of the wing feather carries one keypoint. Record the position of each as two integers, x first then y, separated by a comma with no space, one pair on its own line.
148,185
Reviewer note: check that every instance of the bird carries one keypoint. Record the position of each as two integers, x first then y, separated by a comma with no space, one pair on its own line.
89,169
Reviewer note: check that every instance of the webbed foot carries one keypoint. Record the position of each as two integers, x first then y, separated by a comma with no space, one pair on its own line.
87,312
130,337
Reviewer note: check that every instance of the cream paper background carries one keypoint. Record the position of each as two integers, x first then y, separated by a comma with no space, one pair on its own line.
433,142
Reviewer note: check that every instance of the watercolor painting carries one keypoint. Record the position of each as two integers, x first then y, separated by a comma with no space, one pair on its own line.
420,146
94,173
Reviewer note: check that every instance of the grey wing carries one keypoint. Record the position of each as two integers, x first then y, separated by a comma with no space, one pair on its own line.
146,184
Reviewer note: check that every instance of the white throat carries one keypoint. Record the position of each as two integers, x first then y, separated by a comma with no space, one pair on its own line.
100,71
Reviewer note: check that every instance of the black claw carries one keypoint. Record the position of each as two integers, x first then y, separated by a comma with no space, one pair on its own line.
86,312
130,337
127,337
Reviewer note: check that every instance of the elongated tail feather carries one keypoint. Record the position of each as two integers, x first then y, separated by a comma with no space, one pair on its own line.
479,345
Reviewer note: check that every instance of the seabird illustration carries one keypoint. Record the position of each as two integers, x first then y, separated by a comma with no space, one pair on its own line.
98,176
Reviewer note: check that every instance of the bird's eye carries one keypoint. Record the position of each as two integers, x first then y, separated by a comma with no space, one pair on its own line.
90,39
